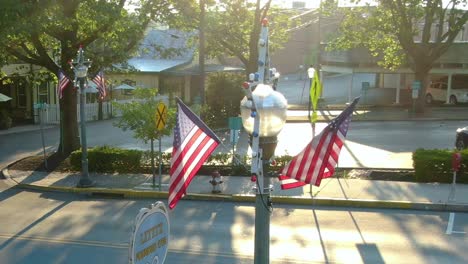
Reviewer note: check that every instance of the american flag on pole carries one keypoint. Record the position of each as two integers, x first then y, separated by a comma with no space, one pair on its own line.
193,144
100,83
63,82
319,158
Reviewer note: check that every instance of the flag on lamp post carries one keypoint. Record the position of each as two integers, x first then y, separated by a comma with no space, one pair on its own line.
100,83
63,82
315,90
193,144
320,156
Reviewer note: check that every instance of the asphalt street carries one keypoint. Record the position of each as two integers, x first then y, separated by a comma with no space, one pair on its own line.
66,228
368,144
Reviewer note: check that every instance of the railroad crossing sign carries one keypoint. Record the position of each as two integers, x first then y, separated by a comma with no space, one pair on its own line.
161,116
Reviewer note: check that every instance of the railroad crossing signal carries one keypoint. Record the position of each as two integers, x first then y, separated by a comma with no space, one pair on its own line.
161,116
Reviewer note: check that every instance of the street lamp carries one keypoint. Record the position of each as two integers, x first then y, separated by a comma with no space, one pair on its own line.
263,113
80,67
263,117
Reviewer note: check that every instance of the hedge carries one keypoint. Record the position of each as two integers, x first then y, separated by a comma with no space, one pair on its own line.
435,165
430,165
111,159
108,159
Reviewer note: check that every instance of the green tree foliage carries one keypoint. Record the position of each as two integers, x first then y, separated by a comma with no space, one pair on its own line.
233,28
412,33
140,116
223,97
48,33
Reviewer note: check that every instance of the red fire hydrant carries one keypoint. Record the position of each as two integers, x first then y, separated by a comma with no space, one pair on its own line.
215,181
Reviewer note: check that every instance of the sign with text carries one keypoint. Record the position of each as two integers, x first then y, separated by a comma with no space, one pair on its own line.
235,123
415,86
150,238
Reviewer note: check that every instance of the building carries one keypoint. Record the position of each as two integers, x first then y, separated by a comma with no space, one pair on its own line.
308,46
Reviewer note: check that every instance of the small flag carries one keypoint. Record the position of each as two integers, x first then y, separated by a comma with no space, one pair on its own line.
193,144
62,83
315,90
319,158
100,83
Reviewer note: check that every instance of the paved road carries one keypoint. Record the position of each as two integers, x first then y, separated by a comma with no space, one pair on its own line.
336,89
368,144
373,144
65,228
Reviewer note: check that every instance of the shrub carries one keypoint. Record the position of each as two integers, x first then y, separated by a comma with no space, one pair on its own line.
109,159
223,96
5,119
435,165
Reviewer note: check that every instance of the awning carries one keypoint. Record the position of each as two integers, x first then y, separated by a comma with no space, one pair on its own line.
4,98
209,68
124,86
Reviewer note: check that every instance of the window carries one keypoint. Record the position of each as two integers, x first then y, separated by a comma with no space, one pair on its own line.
20,92
43,93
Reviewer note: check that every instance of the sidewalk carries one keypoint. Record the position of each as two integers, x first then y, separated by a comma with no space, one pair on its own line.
300,114
332,192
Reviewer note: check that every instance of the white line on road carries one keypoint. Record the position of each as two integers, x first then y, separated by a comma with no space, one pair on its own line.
450,224
449,230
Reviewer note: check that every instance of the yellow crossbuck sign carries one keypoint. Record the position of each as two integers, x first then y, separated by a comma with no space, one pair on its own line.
161,116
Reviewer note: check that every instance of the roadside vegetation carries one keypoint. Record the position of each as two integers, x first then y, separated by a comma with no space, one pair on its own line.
430,165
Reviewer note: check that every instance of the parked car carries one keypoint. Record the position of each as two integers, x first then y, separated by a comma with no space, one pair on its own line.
461,139
437,91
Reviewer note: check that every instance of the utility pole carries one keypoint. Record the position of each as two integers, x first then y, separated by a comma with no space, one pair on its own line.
201,51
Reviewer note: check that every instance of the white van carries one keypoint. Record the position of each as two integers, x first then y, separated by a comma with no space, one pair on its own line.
437,90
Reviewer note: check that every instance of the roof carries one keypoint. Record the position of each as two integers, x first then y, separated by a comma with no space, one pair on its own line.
195,69
155,65
161,50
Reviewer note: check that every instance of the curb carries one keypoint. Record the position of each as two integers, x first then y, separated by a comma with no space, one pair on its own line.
366,119
317,201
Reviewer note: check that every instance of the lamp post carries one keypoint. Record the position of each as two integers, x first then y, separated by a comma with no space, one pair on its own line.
80,67
263,113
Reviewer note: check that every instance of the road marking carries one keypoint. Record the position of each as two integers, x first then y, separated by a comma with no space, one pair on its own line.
64,241
449,230
126,246
450,224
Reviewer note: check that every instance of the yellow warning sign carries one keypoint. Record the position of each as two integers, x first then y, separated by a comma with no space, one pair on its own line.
161,116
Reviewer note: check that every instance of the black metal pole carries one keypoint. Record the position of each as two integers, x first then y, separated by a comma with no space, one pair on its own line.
85,181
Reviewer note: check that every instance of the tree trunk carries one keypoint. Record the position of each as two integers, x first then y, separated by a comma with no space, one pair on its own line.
69,136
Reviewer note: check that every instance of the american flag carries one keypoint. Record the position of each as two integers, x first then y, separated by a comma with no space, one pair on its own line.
193,144
62,83
319,158
101,83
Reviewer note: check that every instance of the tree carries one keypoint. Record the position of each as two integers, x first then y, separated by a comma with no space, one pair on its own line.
404,32
141,116
232,28
219,108
48,33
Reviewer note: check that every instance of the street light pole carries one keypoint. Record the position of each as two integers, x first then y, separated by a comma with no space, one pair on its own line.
80,67
263,112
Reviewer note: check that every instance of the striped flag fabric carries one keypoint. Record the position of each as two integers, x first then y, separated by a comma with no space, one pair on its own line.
100,83
63,82
193,144
320,157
